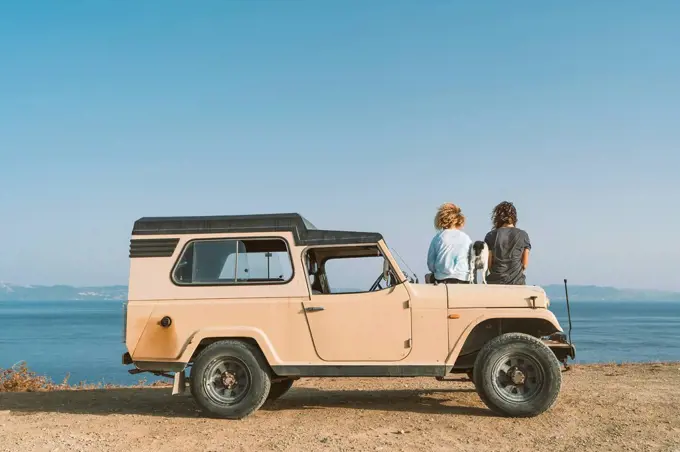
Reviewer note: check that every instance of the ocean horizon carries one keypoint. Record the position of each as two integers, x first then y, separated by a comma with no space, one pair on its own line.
84,339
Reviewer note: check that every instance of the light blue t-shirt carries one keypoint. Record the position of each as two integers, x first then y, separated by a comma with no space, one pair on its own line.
448,255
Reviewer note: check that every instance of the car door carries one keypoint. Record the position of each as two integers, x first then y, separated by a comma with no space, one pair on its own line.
361,326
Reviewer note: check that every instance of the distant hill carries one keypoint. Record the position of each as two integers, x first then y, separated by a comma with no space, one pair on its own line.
602,293
10,292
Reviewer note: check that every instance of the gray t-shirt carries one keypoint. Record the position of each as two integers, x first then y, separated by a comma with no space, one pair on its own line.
506,246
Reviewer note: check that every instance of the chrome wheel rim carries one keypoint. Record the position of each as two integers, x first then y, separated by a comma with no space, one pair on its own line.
517,377
227,380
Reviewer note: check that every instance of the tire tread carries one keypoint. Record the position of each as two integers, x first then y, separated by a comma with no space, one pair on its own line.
260,373
541,352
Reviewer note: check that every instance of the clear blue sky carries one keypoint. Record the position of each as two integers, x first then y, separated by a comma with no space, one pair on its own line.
359,115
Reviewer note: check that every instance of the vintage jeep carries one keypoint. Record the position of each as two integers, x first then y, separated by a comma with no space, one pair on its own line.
252,303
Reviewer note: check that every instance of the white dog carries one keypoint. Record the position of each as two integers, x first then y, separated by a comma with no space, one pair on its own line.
478,258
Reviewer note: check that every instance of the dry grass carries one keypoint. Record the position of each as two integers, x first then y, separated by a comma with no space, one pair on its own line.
19,378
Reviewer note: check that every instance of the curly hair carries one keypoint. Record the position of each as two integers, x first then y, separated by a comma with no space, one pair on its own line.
504,213
448,216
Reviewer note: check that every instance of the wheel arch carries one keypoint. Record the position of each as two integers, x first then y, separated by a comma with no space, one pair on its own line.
483,329
253,336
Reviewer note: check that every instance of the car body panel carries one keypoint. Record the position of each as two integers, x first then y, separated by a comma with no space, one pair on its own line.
373,326
406,329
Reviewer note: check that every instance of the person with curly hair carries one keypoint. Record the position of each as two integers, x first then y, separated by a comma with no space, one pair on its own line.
447,257
509,247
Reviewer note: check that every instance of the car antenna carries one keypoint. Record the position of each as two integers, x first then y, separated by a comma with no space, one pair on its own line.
566,293
402,259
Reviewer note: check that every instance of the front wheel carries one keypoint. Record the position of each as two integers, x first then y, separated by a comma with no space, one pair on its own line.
230,379
517,375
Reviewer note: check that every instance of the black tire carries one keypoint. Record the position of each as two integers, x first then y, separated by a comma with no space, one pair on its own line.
279,388
538,377
230,379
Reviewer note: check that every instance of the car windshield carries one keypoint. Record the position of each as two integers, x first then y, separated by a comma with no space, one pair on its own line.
403,265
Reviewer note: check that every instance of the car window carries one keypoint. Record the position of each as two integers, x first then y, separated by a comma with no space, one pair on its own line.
234,262
353,274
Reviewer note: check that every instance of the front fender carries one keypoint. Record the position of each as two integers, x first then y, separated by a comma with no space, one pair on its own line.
457,338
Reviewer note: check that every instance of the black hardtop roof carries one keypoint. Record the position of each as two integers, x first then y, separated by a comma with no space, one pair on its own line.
304,232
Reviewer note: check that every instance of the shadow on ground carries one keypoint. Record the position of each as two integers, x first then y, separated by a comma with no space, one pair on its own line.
160,402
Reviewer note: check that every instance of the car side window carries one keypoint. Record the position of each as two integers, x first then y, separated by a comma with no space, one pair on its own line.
354,274
234,261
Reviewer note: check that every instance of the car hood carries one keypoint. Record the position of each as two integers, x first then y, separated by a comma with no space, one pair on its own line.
495,296
456,296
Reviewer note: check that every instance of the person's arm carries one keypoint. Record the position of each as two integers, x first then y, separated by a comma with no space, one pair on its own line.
465,250
430,256
525,252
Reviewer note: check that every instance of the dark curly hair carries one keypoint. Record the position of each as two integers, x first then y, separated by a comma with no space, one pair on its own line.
504,213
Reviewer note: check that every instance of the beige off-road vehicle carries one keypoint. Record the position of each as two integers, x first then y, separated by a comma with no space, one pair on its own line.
251,303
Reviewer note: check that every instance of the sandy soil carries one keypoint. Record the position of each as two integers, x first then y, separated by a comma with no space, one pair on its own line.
612,408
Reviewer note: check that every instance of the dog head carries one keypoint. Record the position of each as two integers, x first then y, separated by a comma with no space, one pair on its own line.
478,247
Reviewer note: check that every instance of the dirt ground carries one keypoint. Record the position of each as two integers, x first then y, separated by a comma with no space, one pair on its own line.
601,407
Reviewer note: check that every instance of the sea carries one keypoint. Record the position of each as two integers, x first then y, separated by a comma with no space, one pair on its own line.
83,339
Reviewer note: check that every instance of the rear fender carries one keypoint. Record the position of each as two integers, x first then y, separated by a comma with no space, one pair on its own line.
254,334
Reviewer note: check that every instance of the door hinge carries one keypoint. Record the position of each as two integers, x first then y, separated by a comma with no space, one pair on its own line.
407,304
407,343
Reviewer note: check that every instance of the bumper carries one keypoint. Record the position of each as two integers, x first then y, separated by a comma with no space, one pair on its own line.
559,344
154,366
562,350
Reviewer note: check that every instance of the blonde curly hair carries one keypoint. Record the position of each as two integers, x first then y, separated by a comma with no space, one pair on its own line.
448,216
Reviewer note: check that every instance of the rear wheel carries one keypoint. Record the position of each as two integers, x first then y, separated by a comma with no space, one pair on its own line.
517,375
230,379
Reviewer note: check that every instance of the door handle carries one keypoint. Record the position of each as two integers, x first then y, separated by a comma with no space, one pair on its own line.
314,308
